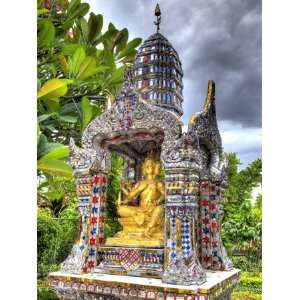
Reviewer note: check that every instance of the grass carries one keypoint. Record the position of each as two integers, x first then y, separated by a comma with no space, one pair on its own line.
44,292
249,288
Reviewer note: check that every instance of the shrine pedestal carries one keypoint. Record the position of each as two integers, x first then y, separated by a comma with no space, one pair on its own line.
218,286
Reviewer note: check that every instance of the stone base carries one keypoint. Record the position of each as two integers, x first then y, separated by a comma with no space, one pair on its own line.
219,286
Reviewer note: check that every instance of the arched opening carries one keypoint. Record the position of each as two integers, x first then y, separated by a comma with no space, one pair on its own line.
135,146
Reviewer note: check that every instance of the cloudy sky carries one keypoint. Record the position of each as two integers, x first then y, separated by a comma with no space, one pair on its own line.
215,39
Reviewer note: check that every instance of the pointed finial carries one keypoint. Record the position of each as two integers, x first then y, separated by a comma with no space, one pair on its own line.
210,95
158,17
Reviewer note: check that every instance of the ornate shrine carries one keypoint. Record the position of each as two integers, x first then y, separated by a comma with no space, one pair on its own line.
170,243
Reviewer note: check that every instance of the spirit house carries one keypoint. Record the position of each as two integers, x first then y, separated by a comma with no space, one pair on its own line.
169,246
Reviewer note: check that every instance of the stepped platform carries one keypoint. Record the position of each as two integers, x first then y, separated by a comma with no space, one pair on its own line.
218,286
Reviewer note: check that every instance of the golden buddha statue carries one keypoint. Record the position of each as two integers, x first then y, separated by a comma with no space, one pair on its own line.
142,224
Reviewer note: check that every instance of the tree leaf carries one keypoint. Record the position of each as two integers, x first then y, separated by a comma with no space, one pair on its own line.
87,112
83,9
56,153
75,10
54,88
129,58
50,127
75,61
69,119
38,84
117,76
107,58
52,104
38,133
46,33
107,38
122,41
129,47
73,6
63,63
42,11
69,108
55,167
111,27
84,28
44,117
44,147
70,49
88,68
95,24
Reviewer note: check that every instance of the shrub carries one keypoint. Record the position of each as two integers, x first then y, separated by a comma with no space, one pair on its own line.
247,263
55,238
47,242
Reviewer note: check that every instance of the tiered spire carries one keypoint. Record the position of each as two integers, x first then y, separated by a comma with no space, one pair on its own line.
158,73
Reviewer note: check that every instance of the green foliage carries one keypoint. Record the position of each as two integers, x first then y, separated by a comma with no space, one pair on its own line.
54,88
112,225
249,263
51,157
245,295
258,208
249,287
78,62
44,292
56,194
47,242
251,282
46,33
55,238
241,184
242,223
57,221
87,112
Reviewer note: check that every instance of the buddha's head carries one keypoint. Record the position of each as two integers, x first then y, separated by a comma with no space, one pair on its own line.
148,167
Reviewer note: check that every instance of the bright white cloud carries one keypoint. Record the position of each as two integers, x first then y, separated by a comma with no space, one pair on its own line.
245,141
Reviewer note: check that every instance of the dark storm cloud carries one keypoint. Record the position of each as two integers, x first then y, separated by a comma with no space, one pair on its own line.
221,40
215,39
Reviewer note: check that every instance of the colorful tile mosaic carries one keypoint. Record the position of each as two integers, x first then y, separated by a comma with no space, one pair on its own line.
211,250
96,221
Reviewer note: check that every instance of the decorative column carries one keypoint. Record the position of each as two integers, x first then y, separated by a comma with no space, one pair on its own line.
74,262
96,221
213,255
181,263
91,186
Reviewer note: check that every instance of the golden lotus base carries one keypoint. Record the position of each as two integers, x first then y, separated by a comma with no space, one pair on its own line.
219,285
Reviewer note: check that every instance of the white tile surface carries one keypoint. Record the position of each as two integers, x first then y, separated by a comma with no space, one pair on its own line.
212,279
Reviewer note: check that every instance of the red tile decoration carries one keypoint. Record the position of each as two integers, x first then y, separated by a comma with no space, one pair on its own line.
210,249
97,221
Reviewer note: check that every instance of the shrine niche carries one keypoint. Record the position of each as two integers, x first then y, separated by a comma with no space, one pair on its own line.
170,224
